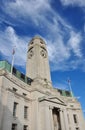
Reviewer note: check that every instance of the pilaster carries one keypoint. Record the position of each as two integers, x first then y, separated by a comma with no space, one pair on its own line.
51,117
62,120
47,118
35,115
65,119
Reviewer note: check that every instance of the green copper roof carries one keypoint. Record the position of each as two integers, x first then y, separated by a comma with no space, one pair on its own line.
65,93
7,66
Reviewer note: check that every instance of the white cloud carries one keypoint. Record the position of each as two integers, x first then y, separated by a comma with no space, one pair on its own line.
9,39
55,31
59,52
35,10
75,43
66,56
80,3
26,9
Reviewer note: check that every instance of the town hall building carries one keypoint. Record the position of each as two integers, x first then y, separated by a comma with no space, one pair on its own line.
30,102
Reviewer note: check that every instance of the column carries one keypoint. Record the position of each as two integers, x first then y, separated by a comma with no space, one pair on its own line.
51,118
62,120
66,120
35,115
47,119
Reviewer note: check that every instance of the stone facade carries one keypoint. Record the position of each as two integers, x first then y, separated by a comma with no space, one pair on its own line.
32,103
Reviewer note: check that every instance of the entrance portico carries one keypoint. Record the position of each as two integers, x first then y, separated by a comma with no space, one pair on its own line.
54,113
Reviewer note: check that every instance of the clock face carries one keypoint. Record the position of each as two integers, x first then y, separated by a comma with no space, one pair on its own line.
30,54
43,53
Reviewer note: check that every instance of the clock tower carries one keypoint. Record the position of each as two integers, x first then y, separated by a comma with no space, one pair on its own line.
37,66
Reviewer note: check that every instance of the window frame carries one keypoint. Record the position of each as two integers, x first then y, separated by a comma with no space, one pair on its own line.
25,112
15,109
14,126
75,118
25,127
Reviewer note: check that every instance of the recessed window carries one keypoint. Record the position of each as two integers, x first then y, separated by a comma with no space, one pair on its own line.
30,54
14,89
77,128
25,112
43,48
22,76
41,42
24,94
25,127
14,70
60,91
14,127
29,80
30,48
31,42
15,109
75,118
67,93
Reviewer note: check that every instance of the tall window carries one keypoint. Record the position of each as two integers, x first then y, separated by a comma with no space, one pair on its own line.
25,112
75,118
25,127
14,127
15,109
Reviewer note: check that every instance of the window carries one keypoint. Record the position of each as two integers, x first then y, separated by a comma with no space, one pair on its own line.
75,118
14,89
14,127
43,48
25,127
15,109
25,112
14,70
29,80
60,91
31,42
68,93
30,48
41,41
23,76
24,94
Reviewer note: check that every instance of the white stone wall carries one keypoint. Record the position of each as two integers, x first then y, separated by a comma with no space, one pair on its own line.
8,101
37,65
40,105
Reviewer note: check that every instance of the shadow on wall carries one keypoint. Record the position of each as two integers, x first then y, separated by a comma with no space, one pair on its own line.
7,120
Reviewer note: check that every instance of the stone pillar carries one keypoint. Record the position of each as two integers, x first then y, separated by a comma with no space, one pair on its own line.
47,119
35,115
66,120
51,117
62,120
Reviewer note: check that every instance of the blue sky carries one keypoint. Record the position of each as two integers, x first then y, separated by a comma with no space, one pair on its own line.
62,25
